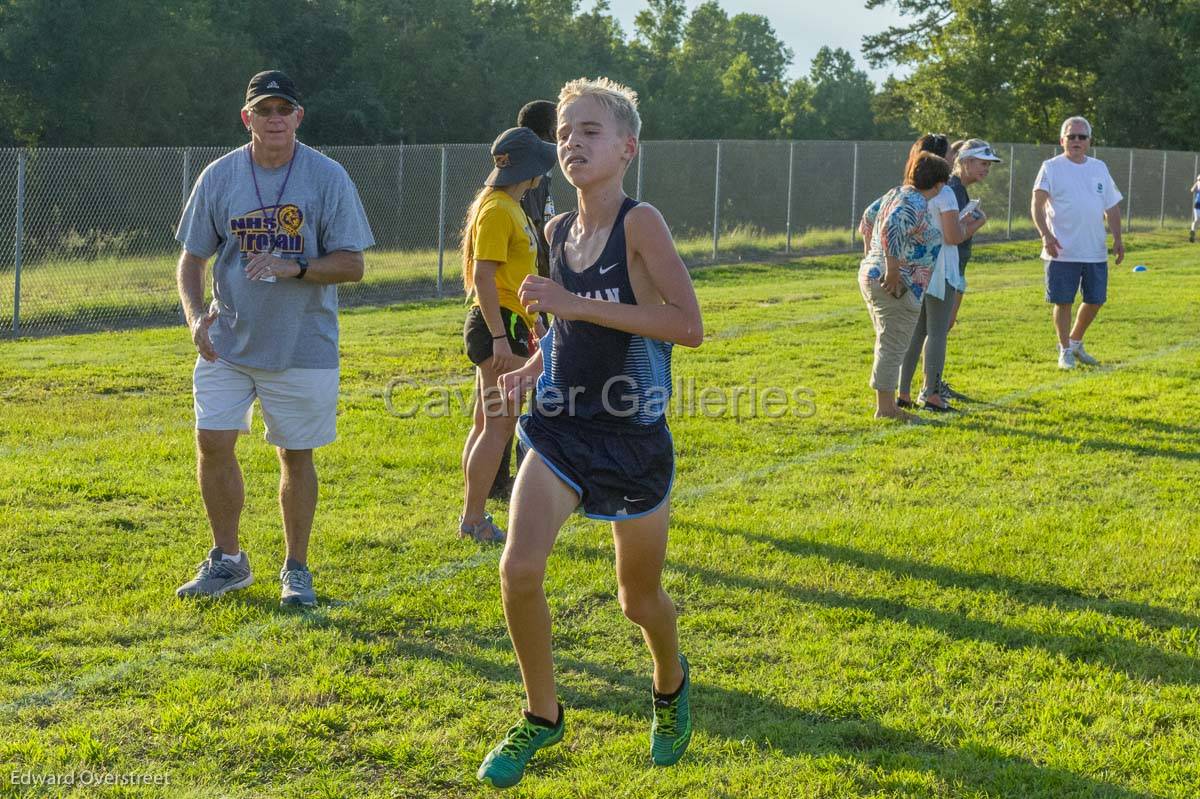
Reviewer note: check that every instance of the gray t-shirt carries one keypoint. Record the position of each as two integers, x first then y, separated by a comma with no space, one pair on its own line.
289,323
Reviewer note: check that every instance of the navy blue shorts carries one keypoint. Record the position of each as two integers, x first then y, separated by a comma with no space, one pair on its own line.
619,471
1064,279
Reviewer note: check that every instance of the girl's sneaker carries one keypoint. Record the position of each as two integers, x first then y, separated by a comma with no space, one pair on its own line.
485,532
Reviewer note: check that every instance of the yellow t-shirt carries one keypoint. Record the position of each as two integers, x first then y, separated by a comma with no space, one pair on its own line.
503,233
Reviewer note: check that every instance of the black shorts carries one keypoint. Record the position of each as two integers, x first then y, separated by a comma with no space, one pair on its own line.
478,339
619,471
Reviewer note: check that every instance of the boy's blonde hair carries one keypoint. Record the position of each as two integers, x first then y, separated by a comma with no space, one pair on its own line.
621,100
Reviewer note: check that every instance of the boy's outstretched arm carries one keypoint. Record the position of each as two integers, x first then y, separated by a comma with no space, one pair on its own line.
675,319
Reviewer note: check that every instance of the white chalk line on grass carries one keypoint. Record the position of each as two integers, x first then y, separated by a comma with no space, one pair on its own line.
444,571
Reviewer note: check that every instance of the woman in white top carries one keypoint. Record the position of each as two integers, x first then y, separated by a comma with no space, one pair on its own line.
938,302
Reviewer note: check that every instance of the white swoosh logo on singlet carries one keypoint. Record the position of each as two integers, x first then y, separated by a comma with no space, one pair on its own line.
607,269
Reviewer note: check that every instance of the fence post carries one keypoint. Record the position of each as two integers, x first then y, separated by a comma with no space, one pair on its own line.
1162,208
641,158
1129,199
400,176
1012,167
717,204
19,236
853,195
441,222
791,163
185,178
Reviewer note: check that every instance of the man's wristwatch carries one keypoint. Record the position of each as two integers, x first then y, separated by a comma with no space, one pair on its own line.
302,262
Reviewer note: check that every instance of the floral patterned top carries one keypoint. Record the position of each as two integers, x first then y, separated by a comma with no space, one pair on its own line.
898,224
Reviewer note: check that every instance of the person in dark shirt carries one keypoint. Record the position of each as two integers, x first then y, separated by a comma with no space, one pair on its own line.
975,158
541,117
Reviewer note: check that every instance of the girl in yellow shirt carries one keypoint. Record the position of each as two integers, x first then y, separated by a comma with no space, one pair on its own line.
499,250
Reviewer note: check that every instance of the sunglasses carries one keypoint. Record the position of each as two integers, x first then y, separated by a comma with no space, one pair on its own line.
1078,136
265,110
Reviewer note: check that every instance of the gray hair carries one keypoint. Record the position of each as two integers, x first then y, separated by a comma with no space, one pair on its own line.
1071,121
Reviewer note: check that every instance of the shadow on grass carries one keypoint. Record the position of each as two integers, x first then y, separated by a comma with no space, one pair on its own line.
1032,592
1119,654
1088,443
742,716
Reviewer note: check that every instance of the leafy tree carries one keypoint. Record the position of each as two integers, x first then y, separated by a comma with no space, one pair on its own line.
841,97
75,73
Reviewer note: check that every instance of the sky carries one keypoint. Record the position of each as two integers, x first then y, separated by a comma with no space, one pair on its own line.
803,25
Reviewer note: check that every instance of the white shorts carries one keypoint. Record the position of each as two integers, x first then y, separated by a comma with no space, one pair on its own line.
299,406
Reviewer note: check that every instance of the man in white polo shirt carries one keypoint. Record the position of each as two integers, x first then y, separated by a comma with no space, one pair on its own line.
1072,196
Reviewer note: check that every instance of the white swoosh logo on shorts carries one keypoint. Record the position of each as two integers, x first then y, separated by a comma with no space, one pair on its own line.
606,269
639,499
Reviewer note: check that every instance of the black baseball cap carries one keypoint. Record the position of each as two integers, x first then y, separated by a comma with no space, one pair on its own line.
271,83
520,155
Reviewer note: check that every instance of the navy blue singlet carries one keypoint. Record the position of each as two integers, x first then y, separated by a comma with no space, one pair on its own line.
613,376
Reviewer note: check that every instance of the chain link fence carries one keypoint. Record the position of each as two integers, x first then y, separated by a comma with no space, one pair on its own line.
87,235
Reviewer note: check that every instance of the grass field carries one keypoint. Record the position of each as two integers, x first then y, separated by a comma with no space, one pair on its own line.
123,292
1002,603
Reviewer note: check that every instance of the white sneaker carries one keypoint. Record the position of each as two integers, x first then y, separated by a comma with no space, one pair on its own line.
1082,355
1066,359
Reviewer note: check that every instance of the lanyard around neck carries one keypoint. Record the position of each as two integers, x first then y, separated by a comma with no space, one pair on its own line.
282,189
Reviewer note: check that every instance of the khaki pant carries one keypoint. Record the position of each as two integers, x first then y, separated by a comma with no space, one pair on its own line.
895,319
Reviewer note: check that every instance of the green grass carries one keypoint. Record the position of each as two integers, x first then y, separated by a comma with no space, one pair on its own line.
121,292
1002,603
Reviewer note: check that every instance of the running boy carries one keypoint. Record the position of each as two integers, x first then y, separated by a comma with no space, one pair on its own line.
620,297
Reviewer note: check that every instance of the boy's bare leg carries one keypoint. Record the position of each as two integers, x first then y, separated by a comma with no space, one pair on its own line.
541,503
641,546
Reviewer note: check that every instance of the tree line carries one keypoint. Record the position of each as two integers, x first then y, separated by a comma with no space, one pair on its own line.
143,72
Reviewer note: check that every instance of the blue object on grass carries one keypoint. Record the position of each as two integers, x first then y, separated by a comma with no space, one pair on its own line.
1140,268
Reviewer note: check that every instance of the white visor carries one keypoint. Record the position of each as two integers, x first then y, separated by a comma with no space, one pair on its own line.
984,153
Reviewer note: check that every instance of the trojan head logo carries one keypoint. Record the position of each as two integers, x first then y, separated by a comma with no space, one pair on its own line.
502,161
290,219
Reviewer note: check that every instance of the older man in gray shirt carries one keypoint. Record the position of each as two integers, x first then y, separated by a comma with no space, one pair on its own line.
286,226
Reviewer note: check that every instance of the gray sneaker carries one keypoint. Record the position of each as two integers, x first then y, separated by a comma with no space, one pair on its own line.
216,576
945,392
1083,356
485,532
1066,359
297,588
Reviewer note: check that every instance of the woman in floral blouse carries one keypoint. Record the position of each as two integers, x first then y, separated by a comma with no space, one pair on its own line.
900,254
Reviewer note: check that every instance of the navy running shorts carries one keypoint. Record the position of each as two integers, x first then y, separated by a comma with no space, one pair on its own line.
619,471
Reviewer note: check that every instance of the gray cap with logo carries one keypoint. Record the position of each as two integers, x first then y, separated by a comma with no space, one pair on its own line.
519,155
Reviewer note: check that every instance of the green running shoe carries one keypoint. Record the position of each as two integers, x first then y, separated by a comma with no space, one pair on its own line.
505,765
672,727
